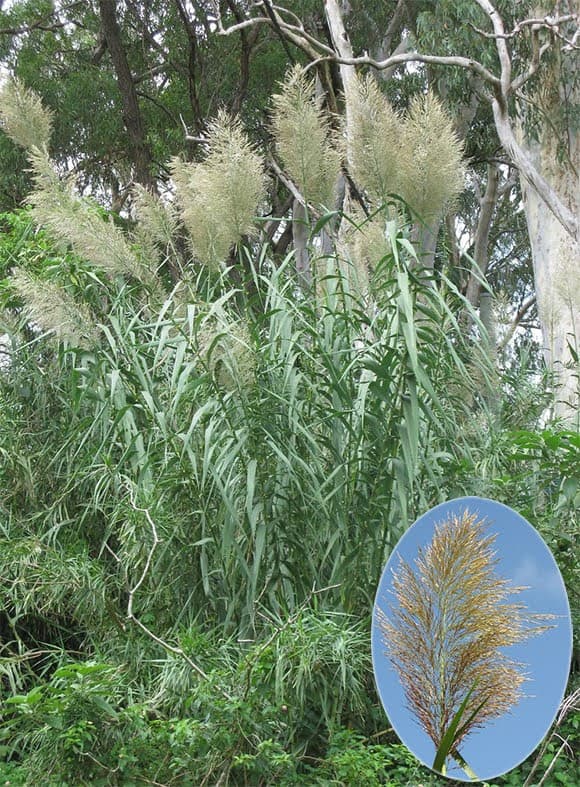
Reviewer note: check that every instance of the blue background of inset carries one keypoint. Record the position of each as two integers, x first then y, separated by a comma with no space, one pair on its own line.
524,559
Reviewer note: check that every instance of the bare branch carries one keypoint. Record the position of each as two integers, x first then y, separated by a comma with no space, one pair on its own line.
293,32
501,46
415,57
41,25
154,545
255,20
285,180
520,314
548,22
394,24
276,25
131,615
481,243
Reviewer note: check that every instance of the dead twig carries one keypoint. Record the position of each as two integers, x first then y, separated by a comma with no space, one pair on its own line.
177,651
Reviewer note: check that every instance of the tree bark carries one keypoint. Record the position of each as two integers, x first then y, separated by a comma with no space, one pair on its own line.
132,117
556,260
341,43
555,154
531,176
481,243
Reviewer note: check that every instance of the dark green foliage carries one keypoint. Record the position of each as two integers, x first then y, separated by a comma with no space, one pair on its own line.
179,81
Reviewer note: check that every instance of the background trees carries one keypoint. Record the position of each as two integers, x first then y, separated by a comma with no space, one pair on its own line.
206,457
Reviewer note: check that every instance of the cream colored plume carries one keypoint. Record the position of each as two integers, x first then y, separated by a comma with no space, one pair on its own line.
23,117
430,159
74,222
69,220
306,144
156,224
219,198
376,135
225,346
55,310
367,245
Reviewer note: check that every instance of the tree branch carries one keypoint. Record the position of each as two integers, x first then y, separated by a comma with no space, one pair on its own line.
481,242
43,24
40,25
550,23
285,180
131,113
394,25
131,615
527,170
501,45
275,24
293,32
415,57
520,314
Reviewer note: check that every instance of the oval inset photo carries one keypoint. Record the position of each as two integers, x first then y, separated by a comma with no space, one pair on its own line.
471,639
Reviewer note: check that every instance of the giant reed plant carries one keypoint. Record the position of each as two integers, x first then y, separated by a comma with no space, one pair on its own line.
215,459
305,141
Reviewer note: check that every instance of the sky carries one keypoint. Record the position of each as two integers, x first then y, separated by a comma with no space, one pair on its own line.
526,560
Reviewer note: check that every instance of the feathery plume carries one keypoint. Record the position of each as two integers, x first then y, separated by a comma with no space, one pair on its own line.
444,636
305,142
74,222
67,219
366,245
23,117
430,158
219,197
367,241
156,223
374,147
155,219
55,311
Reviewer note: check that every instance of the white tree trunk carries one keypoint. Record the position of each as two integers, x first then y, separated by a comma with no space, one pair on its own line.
300,232
556,259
